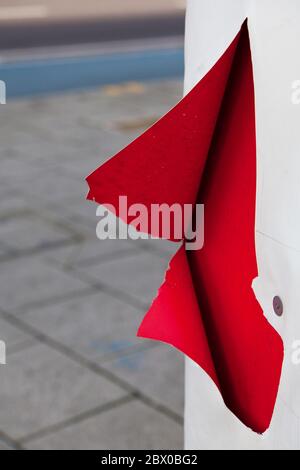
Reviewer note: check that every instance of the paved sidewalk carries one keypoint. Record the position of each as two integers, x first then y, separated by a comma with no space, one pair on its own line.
76,375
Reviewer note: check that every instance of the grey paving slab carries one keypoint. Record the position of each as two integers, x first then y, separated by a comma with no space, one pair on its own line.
90,251
130,426
125,104
81,216
39,388
84,221
22,171
48,147
162,248
80,211
4,251
157,372
97,326
54,186
60,214
27,232
77,214
90,109
14,131
140,275
27,159
12,203
13,337
29,280
94,124
102,145
103,103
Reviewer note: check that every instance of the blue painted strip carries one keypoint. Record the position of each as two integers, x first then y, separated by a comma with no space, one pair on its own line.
48,76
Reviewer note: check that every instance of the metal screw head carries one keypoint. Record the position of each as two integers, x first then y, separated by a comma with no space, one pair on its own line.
278,306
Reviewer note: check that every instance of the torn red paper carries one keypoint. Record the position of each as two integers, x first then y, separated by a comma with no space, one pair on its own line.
204,151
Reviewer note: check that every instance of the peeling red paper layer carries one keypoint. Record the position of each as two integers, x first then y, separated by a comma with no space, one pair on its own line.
204,151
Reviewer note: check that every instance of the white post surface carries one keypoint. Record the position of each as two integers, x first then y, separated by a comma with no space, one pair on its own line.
275,37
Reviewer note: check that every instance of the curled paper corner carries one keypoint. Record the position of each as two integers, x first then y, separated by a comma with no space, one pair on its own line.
173,317
204,151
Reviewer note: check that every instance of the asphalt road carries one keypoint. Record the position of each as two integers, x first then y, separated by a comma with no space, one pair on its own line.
56,10
100,30
58,45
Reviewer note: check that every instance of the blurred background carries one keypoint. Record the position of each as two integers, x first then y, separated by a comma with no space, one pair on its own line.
82,80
